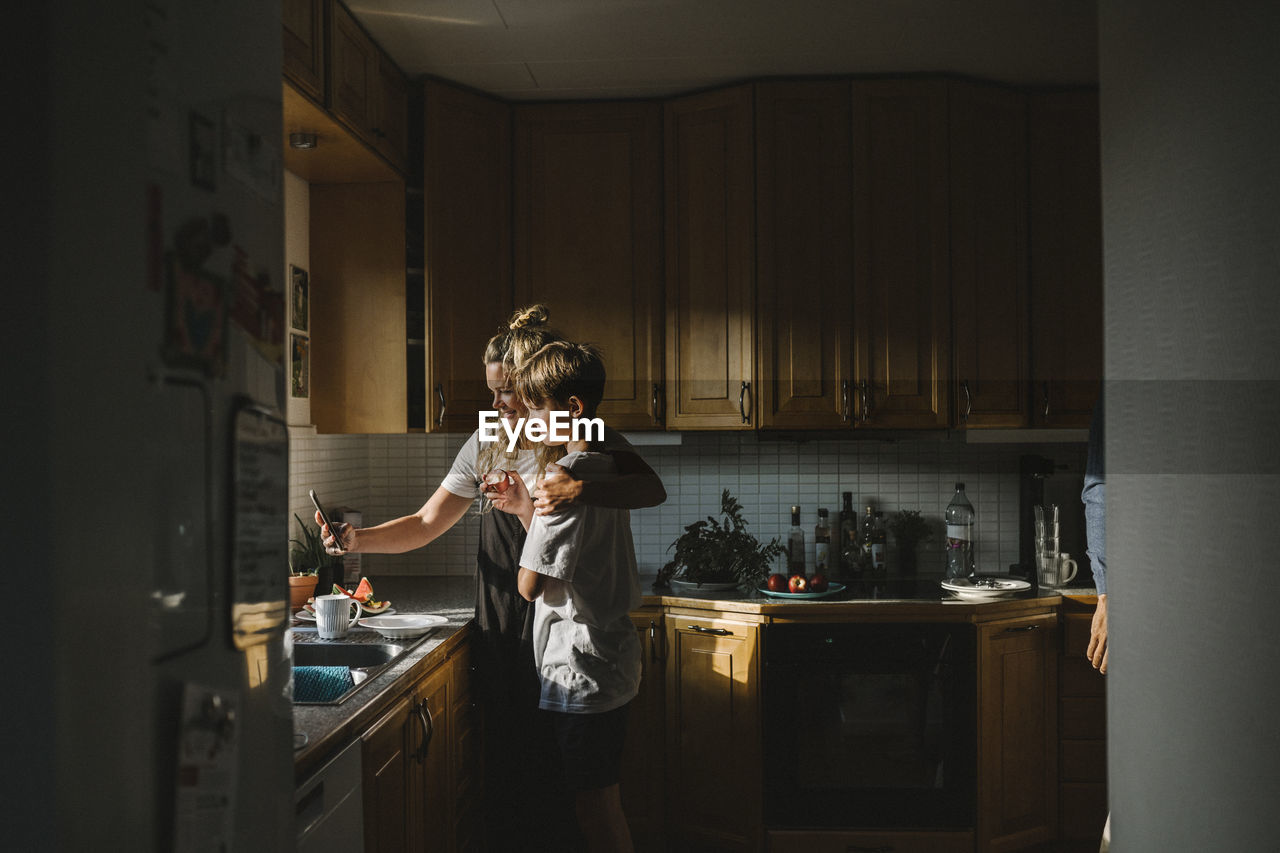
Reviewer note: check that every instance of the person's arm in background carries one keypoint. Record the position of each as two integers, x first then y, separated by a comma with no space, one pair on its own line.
636,486
1094,496
441,511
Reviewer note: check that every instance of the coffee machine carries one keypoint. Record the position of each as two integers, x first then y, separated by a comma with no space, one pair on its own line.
1044,481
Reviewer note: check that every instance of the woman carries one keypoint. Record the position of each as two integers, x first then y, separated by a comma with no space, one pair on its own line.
506,680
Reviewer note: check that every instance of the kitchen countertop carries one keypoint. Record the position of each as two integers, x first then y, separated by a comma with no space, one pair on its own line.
328,727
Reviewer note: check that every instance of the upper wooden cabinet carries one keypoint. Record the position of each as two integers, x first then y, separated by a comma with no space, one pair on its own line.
304,45
989,255
804,266
901,277
710,260
366,89
467,218
1065,195
588,239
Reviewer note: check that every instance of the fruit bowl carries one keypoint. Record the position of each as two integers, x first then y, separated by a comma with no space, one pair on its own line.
832,589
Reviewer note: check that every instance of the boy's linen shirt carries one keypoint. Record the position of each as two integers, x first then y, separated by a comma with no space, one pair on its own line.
585,647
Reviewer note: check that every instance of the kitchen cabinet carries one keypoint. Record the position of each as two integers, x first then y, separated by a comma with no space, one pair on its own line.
304,46
643,758
467,222
588,239
710,260
366,89
1065,244
901,277
803,255
1082,733
358,363
713,731
1017,733
988,177
466,761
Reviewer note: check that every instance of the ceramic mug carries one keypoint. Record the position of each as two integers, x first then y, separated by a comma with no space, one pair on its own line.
1064,575
334,616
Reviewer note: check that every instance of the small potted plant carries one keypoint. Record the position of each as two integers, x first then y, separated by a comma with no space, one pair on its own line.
909,529
306,558
712,552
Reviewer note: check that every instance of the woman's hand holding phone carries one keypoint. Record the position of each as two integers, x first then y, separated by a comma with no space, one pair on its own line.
344,542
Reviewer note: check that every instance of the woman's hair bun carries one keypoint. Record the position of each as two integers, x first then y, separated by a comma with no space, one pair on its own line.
534,315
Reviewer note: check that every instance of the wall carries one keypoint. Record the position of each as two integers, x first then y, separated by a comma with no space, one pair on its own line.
389,476
1190,108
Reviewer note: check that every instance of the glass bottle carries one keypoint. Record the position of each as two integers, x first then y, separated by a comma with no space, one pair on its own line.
959,518
822,544
795,545
878,539
866,530
847,543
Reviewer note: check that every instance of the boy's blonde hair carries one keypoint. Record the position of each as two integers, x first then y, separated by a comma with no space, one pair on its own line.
561,370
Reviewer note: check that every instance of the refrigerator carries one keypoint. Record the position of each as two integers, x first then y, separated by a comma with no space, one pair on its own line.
148,464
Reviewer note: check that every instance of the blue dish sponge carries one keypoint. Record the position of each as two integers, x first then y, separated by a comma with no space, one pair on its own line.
320,683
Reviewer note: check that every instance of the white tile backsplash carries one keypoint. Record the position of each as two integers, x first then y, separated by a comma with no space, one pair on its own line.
390,476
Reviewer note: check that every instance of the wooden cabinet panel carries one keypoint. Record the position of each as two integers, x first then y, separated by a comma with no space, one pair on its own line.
389,781
1065,244
390,121
989,255
304,41
436,764
353,62
467,197
358,370
588,239
842,841
1083,761
710,252
467,762
902,312
803,247
1017,733
713,733
643,758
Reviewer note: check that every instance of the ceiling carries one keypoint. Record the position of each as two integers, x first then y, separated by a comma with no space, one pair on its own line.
580,49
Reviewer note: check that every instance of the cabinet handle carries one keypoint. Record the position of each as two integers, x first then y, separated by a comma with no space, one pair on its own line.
719,632
864,393
968,399
440,397
1045,391
846,401
742,396
1021,629
657,391
428,730
653,641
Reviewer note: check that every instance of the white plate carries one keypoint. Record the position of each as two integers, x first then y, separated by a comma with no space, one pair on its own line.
403,626
308,616
991,587
689,586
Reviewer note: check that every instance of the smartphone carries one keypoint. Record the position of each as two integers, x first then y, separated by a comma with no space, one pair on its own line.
324,517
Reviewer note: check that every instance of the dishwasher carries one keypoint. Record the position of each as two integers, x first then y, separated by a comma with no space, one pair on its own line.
329,807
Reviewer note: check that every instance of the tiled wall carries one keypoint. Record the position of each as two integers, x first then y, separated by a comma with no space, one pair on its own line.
390,476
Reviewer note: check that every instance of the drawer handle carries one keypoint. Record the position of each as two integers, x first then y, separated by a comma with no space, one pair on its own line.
1021,629
719,632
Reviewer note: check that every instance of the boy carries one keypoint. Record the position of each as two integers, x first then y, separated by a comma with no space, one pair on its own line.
579,569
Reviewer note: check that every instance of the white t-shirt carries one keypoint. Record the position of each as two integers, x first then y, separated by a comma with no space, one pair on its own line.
584,645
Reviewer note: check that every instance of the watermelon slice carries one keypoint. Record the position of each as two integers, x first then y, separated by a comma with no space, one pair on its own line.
364,595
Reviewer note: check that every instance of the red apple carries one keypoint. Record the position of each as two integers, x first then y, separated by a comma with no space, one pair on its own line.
777,582
818,583
498,480
797,583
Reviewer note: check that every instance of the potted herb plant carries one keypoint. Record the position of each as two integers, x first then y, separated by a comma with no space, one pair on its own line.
909,529
306,558
715,552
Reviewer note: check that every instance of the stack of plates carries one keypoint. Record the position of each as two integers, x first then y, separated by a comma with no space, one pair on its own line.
984,588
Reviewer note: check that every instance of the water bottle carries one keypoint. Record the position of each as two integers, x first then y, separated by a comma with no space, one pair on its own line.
959,518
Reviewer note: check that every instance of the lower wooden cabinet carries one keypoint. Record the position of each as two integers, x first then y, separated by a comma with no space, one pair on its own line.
1017,733
849,841
643,757
714,781
1082,734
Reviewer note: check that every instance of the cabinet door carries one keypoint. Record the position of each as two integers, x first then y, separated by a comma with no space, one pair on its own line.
391,785
467,762
1017,733
989,255
358,367
588,239
353,66
900,228
1065,239
390,125
713,733
434,764
803,255
467,194
304,45
643,764
710,251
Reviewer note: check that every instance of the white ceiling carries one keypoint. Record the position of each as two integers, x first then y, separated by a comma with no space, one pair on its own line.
579,49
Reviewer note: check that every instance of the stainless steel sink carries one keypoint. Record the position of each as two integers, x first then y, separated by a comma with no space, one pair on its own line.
365,655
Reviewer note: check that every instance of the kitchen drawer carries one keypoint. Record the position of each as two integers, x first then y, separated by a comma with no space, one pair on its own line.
1077,677
1083,718
853,841
1082,809
1083,761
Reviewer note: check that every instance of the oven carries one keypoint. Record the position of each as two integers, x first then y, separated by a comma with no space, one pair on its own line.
869,725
